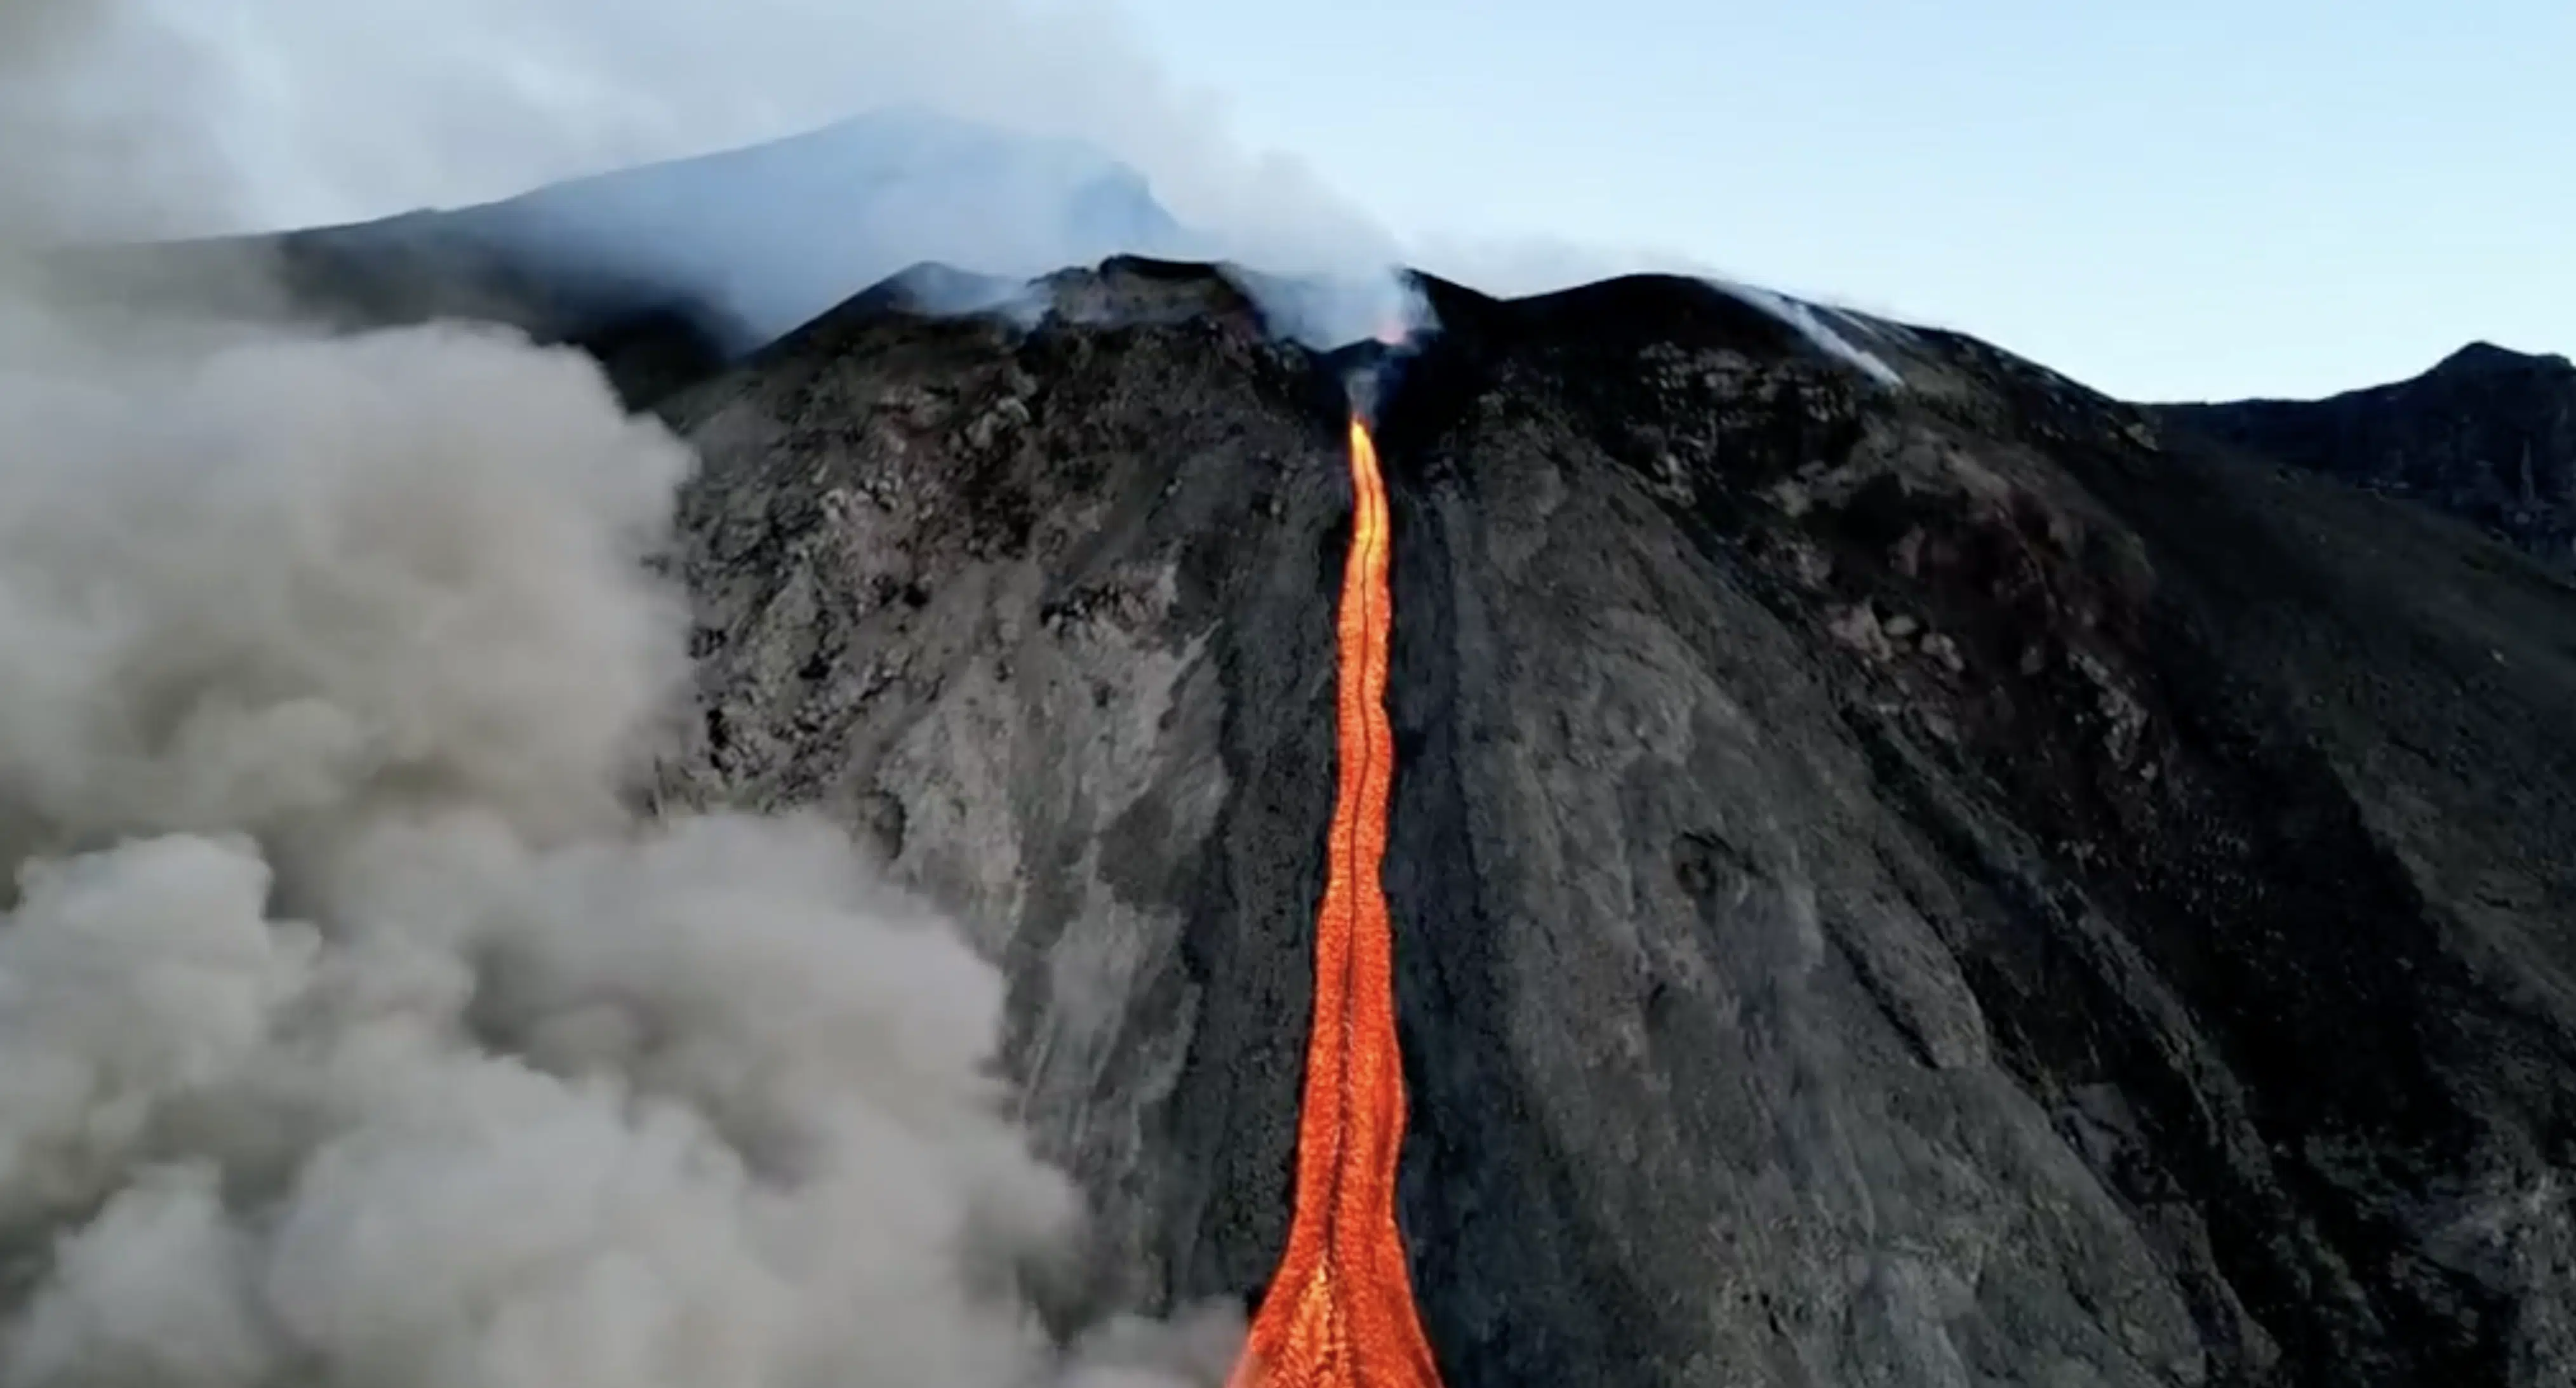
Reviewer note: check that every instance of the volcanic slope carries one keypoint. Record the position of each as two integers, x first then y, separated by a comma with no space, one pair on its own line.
1921,885
2488,435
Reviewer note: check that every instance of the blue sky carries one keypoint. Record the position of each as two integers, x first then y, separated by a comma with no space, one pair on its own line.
2180,200
2184,199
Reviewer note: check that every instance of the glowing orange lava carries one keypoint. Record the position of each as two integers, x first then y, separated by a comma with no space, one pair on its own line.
1340,1312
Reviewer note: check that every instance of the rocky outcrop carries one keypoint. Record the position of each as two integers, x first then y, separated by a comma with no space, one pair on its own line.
1925,885
2489,435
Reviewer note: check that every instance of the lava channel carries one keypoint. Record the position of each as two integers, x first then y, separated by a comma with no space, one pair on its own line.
1340,1312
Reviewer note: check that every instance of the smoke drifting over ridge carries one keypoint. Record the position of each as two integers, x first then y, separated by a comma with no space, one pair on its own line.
327,113
526,92
356,1032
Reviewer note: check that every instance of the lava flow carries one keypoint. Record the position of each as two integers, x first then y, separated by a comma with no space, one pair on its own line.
1340,1313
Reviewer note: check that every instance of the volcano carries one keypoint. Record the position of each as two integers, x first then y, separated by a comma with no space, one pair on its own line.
1938,882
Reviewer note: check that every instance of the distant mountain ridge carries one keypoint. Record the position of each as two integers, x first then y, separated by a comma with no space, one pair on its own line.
774,234
2488,435
666,270
663,271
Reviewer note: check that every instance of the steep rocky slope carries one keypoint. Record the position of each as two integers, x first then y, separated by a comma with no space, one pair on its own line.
2488,435
1909,886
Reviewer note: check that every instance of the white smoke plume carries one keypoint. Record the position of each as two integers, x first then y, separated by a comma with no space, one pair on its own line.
354,1030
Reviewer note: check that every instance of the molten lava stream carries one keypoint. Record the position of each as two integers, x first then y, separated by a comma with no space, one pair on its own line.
1340,1312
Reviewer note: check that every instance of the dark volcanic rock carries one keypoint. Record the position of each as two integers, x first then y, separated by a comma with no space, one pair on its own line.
1908,887
2489,435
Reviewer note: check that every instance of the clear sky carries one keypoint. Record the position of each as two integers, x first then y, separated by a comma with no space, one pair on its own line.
2182,199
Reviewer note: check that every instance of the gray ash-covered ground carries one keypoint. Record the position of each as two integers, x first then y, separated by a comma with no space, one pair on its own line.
1943,885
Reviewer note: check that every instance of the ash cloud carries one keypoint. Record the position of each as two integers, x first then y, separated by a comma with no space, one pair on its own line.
357,1030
